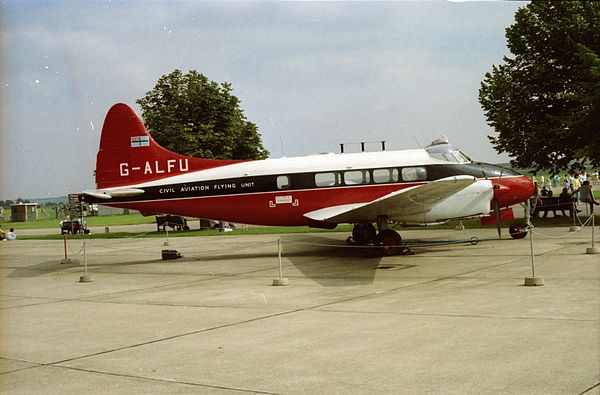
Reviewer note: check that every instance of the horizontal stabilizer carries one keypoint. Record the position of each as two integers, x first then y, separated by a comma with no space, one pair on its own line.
106,195
129,192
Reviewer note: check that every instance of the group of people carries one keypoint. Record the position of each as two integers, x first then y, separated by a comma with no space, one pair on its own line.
570,181
576,188
7,236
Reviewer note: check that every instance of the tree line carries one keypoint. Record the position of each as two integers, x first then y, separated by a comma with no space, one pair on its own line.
8,203
544,101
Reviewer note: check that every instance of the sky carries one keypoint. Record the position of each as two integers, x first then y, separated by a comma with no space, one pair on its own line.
310,75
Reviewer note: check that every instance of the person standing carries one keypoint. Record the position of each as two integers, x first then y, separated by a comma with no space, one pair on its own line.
571,181
576,186
587,196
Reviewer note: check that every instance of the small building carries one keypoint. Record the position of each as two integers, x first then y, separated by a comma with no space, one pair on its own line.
23,212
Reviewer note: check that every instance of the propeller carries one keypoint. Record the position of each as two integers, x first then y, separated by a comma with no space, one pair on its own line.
497,207
497,217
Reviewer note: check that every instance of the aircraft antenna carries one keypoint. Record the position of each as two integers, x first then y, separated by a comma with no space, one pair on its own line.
417,141
282,146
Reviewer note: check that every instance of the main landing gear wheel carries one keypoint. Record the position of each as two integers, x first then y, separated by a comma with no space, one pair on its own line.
363,233
389,241
517,230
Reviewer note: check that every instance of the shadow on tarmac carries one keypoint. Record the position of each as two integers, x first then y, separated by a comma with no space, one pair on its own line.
325,260
56,267
39,269
330,262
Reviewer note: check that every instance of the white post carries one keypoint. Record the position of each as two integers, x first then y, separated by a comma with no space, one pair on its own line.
84,260
593,226
166,243
531,249
279,255
533,280
85,278
281,280
593,249
574,228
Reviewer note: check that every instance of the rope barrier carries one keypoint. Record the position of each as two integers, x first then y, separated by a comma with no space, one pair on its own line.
146,251
583,225
474,240
73,252
112,247
409,243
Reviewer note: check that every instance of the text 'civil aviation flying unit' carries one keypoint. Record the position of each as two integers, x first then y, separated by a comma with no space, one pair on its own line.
428,185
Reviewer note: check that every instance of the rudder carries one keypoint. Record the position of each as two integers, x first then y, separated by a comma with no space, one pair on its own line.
129,155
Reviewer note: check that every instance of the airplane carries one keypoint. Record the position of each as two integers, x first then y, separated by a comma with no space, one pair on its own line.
368,189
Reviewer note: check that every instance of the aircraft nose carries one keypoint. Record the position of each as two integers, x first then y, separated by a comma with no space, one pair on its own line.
513,190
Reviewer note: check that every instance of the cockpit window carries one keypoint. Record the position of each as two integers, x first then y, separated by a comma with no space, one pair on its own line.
446,152
462,157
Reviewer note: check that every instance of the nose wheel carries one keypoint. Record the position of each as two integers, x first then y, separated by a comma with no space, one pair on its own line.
389,241
517,230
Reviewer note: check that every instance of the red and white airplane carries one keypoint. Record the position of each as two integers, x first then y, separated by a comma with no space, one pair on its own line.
428,185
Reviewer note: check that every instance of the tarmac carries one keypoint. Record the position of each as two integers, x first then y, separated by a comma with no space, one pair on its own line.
450,319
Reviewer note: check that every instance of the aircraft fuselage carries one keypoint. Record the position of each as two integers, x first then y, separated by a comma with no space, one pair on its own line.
280,191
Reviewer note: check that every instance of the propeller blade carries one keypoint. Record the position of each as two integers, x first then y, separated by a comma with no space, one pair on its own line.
497,217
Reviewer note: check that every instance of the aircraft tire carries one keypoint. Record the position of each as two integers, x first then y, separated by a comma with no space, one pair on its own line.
363,233
517,230
389,241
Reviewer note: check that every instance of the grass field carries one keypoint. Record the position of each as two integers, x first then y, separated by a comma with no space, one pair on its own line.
105,220
47,220
469,224
193,233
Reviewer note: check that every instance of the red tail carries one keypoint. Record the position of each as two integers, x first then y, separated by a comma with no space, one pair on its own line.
128,154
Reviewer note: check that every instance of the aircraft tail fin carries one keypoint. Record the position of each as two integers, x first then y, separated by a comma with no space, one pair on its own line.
129,155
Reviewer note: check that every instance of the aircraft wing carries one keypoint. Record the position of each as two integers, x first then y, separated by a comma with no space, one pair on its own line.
408,201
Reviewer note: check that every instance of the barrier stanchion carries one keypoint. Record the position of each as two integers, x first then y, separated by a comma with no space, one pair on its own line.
533,280
281,280
166,243
574,228
85,278
593,249
66,259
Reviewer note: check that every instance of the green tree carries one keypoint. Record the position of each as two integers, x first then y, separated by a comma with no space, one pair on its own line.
191,115
544,102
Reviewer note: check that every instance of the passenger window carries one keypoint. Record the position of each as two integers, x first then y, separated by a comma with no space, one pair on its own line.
414,174
327,179
356,177
381,176
283,182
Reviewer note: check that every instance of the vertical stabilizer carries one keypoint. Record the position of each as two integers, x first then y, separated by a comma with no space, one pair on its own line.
128,154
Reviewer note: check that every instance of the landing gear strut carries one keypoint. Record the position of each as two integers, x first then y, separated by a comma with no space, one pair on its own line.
363,233
389,240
